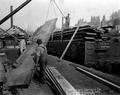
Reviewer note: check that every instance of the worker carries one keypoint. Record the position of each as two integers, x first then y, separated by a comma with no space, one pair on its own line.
22,45
4,43
67,19
41,60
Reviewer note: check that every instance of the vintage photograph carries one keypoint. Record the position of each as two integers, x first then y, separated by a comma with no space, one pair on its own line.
59,47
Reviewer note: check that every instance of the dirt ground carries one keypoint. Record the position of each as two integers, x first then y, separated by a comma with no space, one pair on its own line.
79,81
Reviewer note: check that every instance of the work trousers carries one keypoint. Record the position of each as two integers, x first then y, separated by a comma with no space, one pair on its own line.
41,67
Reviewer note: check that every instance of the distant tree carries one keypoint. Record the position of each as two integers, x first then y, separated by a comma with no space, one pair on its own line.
115,18
119,13
116,21
81,22
103,21
95,20
114,15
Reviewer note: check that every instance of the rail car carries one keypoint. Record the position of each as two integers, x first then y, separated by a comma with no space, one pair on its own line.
107,53
91,47
82,47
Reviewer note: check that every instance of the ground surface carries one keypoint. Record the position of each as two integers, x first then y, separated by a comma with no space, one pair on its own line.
80,81
37,89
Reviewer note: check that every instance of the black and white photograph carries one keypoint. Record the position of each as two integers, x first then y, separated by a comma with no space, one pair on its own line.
59,47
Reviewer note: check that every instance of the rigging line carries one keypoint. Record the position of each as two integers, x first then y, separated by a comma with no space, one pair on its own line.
48,10
58,8
54,11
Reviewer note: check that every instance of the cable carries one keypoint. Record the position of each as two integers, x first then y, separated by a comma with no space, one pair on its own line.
58,8
48,10
54,11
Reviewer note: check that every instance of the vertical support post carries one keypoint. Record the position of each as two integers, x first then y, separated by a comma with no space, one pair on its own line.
52,36
62,22
14,11
61,35
11,9
62,28
68,45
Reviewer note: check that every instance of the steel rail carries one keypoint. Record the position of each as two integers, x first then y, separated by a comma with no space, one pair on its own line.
52,82
107,82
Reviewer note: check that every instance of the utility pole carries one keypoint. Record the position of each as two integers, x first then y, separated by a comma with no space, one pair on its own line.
15,11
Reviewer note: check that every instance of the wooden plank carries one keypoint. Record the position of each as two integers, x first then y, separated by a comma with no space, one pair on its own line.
2,69
67,87
26,53
22,75
2,72
23,56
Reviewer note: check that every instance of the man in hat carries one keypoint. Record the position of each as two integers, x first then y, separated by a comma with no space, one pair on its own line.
22,45
41,60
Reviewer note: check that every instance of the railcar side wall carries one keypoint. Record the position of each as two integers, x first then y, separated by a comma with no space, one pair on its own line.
81,52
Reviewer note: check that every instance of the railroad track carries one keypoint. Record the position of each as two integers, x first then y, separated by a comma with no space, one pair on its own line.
107,82
53,83
57,82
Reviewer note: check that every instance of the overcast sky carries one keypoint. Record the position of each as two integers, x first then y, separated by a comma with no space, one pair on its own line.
34,14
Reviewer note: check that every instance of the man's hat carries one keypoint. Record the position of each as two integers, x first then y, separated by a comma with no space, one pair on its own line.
39,41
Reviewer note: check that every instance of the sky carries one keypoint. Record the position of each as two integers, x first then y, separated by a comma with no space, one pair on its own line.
34,14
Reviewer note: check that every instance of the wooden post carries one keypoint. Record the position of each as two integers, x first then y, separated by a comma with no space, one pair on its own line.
62,28
11,9
61,38
15,11
69,43
52,35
